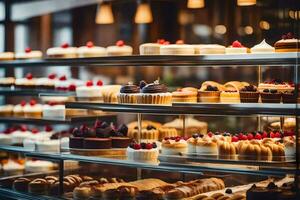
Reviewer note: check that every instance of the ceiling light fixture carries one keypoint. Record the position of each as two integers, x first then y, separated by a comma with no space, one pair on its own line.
246,2
143,14
104,14
193,4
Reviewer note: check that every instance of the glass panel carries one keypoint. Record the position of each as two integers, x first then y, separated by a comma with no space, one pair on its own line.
2,11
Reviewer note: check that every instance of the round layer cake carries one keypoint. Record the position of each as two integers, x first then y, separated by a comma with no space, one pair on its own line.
287,44
144,152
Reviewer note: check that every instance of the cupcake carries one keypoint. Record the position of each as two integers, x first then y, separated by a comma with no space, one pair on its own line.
128,93
289,97
209,93
154,93
249,94
270,96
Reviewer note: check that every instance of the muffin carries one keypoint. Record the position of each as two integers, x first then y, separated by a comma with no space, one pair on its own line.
249,94
270,96
154,93
209,93
128,93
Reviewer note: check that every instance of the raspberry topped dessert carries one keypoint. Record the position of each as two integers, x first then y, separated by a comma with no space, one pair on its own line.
120,49
91,91
143,152
177,49
64,51
288,43
209,93
28,53
174,145
278,85
28,82
236,48
46,82
249,94
90,50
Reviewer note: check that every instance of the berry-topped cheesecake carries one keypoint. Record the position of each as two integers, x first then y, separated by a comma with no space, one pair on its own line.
143,152
28,82
65,84
29,54
120,49
46,83
64,51
276,84
90,91
90,50
174,145
236,48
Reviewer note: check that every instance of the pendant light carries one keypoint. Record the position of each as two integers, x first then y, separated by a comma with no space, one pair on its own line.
143,13
246,2
104,14
195,4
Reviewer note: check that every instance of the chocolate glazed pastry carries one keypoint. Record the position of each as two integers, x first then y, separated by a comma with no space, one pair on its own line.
155,88
21,184
130,88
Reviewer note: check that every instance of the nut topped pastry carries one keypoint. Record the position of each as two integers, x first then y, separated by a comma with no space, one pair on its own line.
128,93
154,93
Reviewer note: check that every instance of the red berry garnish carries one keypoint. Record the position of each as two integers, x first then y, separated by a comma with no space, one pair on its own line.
289,35
51,103
23,128
237,44
186,138
160,41
244,137
99,83
89,83
258,136
272,135
210,134
277,135
32,102
173,138
179,42
52,76
63,78
250,136
149,146
137,146
23,103
48,128
284,37
264,135
64,45
27,50
29,76
89,44
34,130
177,139
72,87
166,43
234,139
166,138
120,43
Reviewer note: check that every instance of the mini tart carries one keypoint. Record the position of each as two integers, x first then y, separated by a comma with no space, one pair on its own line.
267,97
89,50
128,94
262,47
177,49
120,49
206,49
230,97
287,45
29,54
7,81
173,147
205,95
155,93
183,95
150,49
7,56
64,51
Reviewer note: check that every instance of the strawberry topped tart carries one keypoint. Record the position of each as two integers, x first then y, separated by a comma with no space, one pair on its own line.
236,48
90,91
29,54
120,49
90,50
143,152
64,51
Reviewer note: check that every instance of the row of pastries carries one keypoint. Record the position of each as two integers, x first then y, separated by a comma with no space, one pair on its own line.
162,47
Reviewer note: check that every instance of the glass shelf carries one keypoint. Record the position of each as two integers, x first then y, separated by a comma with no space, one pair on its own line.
37,92
193,108
6,193
164,60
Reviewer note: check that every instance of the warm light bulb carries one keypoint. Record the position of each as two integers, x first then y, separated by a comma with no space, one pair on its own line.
246,2
104,14
143,14
195,4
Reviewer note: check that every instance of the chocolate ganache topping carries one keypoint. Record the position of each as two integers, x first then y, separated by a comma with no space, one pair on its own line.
129,88
155,87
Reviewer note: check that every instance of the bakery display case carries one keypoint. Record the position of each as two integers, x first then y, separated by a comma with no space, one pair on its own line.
189,120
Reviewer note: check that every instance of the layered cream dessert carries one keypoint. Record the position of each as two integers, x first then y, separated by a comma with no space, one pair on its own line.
263,47
236,48
120,49
177,49
204,49
64,51
90,92
90,50
29,54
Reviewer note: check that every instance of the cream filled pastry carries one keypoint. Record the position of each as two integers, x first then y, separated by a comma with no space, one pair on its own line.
263,47
7,55
120,49
29,54
64,51
236,48
90,50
